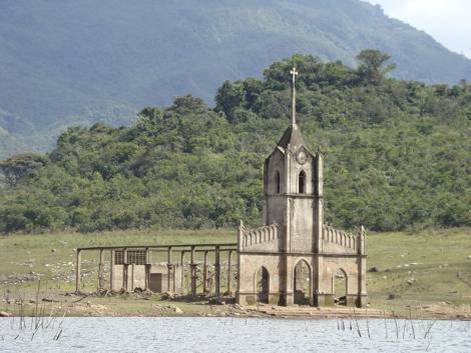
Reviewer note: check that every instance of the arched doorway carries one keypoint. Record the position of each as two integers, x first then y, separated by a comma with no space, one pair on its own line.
339,287
302,283
262,285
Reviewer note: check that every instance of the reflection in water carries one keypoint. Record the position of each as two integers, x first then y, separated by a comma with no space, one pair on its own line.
187,334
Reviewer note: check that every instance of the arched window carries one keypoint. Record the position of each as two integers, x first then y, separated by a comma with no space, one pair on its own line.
278,182
302,182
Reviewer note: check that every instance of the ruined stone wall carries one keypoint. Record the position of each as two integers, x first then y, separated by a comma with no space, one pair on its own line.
249,265
137,277
352,268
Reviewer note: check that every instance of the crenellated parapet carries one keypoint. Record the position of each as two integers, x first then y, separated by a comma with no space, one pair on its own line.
255,239
340,239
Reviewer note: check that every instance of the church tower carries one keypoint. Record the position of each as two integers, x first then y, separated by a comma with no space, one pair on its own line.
293,189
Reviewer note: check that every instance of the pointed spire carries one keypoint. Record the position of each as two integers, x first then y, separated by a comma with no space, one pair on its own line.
293,73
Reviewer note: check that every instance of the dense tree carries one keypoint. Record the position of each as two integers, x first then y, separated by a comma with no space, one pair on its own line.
21,166
372,67
396,156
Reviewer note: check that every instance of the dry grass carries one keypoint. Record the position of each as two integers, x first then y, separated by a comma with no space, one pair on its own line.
427,269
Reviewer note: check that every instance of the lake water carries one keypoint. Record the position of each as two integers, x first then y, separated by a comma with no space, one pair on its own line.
221,335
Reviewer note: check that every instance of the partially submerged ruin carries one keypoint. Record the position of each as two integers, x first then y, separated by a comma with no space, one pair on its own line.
295,258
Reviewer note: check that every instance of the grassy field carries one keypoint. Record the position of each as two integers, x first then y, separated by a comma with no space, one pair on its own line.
427,270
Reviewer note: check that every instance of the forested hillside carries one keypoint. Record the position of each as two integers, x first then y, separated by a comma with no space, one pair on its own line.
396,156
78,62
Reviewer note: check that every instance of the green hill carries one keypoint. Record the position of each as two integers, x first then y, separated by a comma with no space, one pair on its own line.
68,63
396,155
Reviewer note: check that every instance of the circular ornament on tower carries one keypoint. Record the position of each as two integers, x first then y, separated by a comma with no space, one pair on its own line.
301,157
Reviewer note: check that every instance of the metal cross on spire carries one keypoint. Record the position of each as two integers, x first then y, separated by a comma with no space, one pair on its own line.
293,73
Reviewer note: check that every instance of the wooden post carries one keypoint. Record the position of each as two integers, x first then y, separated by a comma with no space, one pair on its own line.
112,269
217,271
182,259
205,272
100,271
78,271
193,271
229,271
169,269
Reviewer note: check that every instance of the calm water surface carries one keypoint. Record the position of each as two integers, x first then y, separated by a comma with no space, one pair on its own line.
207,335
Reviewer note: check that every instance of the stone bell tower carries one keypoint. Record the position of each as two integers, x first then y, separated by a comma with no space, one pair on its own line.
293,189
295,258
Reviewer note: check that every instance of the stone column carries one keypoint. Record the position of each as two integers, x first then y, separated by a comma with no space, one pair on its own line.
193,272
133,271
100,271
240,246
362,300
182,264
111,269
169,270
205,272
229,272
319,205
147,270
217,271
125,270
78,270
285,294
320,298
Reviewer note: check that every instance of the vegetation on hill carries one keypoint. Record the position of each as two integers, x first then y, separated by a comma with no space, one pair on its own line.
396,156
80,62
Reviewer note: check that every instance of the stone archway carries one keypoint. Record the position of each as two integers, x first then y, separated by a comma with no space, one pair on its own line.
339,287
262,283
302,283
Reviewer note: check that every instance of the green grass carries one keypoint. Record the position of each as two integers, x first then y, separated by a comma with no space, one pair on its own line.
437,263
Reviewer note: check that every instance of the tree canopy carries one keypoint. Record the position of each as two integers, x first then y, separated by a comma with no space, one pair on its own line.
396,156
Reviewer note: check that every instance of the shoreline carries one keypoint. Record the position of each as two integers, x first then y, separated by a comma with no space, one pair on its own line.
123,307
421,282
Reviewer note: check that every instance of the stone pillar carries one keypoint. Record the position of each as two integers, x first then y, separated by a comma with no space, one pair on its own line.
319,297
182,264
288,279
133,271
240,239
319,205
362,300
100,271
78,270
229,272
285,297
205,272
193,272
111,269
322,291
169,270
125,270
217,271
147,270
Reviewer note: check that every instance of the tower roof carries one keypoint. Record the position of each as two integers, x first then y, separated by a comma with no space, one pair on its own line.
293,137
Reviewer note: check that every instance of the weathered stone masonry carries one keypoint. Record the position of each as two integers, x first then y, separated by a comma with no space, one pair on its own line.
296,257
